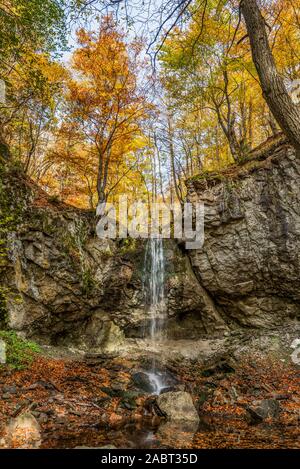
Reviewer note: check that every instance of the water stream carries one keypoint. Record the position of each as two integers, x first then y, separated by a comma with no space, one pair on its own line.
154,290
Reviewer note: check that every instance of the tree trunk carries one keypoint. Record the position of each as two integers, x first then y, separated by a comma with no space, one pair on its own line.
4,149
273,125
101,180
217,147
275,93
172,158
101,194
250,127
233,144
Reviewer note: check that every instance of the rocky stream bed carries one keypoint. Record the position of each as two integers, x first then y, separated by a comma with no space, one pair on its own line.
244,399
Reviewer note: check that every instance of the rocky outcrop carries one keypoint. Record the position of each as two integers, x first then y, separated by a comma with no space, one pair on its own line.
67,287
64,286
249,263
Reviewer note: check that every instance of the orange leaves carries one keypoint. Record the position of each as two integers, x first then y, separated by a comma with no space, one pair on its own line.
105,107
95,138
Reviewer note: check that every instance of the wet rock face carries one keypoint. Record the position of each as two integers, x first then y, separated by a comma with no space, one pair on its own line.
190,312
249,263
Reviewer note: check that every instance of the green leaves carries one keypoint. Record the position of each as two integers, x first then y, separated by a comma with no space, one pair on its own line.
31,25
20,352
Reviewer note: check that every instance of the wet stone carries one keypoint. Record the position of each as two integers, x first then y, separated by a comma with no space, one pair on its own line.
10,389
142,381
268,408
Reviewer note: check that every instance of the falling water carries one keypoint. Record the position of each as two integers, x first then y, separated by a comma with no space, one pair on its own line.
154,287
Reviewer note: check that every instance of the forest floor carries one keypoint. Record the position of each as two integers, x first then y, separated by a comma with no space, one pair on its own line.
96,403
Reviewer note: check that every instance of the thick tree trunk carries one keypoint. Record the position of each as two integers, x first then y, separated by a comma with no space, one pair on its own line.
275,93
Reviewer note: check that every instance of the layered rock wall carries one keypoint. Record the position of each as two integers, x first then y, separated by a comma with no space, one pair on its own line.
250,262
65,286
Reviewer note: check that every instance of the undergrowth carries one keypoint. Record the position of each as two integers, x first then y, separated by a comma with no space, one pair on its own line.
19,352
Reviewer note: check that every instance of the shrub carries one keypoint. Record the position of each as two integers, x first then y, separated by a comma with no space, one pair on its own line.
19,352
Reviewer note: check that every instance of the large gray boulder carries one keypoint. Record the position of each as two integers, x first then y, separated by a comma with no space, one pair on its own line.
178,406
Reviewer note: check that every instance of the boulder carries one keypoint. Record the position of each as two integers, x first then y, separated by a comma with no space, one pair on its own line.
102,334
114,339
22,432
268,408
178,406
143,381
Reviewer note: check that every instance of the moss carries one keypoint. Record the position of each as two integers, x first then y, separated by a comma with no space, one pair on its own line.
8,222
74,241
231,185
249,162
207,175
54,199
127,245
3,306
88,282
19,352
40,218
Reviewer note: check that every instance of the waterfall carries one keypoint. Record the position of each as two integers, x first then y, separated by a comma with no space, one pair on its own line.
154,288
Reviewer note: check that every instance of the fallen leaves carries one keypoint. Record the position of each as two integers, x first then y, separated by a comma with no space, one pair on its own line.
77,404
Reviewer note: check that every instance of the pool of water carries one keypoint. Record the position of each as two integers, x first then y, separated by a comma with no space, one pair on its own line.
210,433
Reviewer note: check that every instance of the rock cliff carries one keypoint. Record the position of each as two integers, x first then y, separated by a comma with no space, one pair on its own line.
64,286
249,263
67,287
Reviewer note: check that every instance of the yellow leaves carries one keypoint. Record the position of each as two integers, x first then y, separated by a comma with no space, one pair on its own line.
40,74
208,66
53,71
101,137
